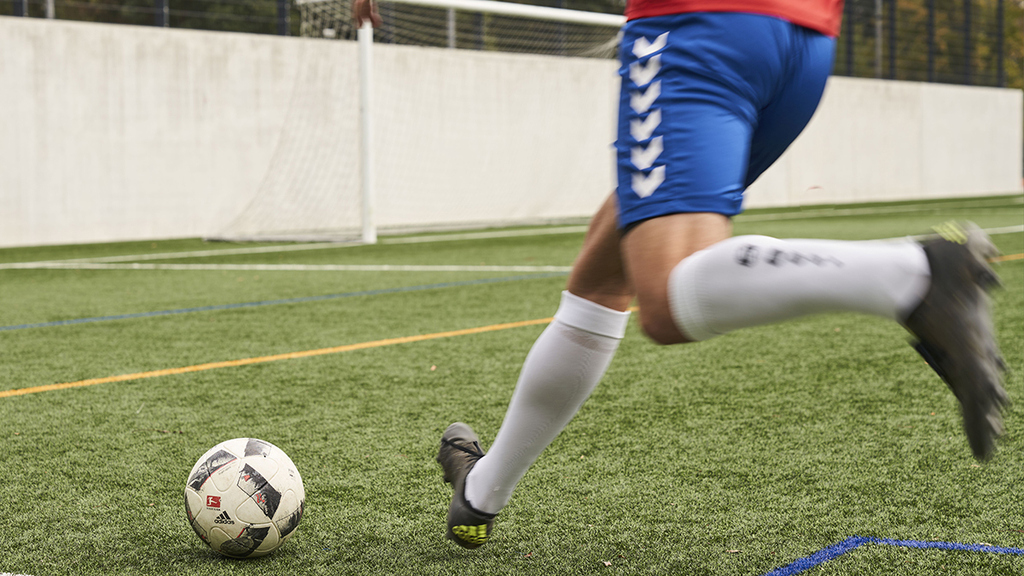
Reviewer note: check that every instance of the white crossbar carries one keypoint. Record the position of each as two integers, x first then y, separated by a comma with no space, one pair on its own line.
509,9
523,10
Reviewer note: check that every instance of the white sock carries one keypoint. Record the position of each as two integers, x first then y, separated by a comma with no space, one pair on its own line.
563,367
753,280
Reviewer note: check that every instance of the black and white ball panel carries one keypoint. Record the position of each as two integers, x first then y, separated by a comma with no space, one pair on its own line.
244,497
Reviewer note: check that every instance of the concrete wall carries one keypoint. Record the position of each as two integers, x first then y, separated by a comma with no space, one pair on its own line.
876,140
122,133
114,132
470,136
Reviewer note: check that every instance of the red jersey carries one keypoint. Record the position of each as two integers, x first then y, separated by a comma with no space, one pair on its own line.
825,16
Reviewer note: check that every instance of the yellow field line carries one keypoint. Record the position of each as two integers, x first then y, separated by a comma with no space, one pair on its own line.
307,353
1008,257
274,358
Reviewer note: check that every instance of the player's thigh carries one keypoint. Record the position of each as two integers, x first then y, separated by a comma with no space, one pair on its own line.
652,249
692,87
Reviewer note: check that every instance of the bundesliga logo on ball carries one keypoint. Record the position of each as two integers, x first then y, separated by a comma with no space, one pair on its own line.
244,497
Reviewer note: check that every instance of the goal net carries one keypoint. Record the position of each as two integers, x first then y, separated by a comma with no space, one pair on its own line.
468,25
468,109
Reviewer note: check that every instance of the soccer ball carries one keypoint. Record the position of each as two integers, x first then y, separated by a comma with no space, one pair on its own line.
244,497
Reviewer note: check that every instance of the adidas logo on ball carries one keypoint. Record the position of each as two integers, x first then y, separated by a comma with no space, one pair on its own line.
246,487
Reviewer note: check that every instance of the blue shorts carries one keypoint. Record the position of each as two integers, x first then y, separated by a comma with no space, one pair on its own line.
709,101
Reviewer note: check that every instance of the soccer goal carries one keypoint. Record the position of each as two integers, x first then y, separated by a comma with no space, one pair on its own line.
472,25
437,119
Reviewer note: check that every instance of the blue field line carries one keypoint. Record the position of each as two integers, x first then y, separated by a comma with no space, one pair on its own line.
949,546
282,301
853,542
820,557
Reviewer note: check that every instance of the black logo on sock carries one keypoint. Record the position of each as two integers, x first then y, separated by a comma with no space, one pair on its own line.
749,255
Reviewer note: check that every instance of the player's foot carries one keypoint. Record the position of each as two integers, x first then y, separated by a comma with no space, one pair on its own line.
460,451
953,326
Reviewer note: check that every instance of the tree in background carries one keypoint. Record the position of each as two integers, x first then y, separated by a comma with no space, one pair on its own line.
956,57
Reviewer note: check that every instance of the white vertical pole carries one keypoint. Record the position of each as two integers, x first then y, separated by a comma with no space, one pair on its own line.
51,11
878,38
365,37
451,27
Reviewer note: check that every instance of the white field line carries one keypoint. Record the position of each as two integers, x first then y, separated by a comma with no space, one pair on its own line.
486,235
194,254
289,267
294,248
837,212
80,265
989,231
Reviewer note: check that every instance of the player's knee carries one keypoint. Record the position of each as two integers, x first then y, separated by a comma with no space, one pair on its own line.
661,329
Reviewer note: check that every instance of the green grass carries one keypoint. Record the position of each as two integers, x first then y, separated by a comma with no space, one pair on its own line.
732,457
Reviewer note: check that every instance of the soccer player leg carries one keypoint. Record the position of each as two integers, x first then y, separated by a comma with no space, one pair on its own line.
752,280
936,289
598,274
652,249
758,280
563,367
733,91
686,116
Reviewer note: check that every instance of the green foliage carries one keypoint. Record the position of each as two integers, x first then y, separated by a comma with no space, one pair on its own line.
951,43
957,57
732,457
253,16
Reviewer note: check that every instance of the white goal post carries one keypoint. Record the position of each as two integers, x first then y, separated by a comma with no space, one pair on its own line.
369,227
295,201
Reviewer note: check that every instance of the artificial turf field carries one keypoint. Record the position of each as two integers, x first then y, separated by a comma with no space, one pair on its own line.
740,455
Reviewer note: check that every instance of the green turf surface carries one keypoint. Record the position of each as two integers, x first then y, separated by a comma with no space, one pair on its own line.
734,456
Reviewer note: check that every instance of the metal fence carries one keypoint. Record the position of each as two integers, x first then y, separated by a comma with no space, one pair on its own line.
253,16
976,42
950,41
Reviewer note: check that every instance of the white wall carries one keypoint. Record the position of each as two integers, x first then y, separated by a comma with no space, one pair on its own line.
114,132
122,133
470,136
876,140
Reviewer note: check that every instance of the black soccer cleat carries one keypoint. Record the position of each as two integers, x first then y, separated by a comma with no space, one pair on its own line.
460,451
954,331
